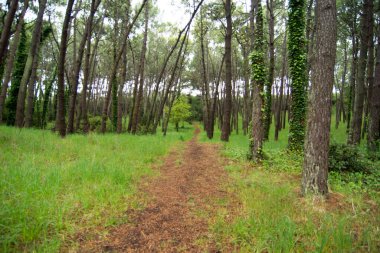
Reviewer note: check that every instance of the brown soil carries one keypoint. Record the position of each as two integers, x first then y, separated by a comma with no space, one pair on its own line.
181,200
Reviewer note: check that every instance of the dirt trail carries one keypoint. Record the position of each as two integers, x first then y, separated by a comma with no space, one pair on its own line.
180,200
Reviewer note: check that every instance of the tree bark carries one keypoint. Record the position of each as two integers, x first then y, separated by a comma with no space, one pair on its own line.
30,98
170,84
259,75
6,29
60,120
33,53
11,58
78,64
366,35
115,67
279,106
315,167
226,129
374,110
268,95
351,94
139,98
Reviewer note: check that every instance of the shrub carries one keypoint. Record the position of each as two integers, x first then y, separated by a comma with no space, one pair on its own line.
346,158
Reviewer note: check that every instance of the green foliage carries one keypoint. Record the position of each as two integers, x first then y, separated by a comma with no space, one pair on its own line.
196,108
298,68
259,75
356,182
346,158
52,188
180,110
18,71
95,123
49,87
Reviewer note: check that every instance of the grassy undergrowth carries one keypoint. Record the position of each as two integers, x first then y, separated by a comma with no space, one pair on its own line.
273,217
51,188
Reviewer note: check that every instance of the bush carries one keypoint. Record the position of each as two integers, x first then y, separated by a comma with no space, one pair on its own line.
96,124
347,158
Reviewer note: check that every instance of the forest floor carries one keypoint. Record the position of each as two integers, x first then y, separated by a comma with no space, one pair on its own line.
179,193
181,201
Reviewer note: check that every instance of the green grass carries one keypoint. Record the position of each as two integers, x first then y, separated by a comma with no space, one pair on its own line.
51,188
273,217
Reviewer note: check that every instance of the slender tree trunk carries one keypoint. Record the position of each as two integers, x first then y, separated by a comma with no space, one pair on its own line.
120,100
47,94
341,100
366,24
279,107
351,95
171,81
228,85
88,62
269,85
137,107
33,53
215,101
30,97
206,111
315,167
60,120
374,110
370,80
152,113
115,66
11,58
6,29
78,65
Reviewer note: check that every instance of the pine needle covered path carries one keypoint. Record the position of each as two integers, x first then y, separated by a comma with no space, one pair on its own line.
181,200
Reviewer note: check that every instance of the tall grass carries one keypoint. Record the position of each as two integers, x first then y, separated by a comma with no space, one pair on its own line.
273,217
52,187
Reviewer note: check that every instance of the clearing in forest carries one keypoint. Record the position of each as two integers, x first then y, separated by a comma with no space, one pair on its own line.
180,203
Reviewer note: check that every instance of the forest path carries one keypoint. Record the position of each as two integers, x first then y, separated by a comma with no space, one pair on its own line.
181,201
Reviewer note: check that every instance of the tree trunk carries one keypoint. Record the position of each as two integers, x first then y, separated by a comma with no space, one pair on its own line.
297,66
351,95
139,98
170,84
11,58
30,97
33,53
60,120
228,85
279,107
215,100
366,35
259,75
341,100
6,29
115,66
374,110
205,89
120,100
315,167
268,87
78,65
151,115
49,87
88,75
